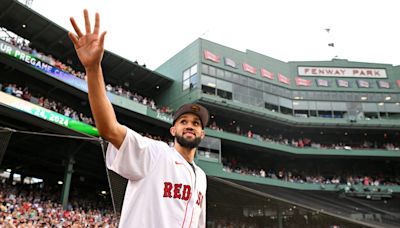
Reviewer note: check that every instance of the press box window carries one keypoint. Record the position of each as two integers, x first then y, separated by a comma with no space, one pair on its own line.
190,78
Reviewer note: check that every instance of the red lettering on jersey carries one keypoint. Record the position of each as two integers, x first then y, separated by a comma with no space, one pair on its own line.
186,192
167,189
177,191
199,199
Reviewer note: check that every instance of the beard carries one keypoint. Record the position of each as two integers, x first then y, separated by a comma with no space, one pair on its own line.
187,143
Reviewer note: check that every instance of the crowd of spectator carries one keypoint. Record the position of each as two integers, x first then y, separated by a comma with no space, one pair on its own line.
232,223
233,166
34,206
24,45
121,91
302,142
45,102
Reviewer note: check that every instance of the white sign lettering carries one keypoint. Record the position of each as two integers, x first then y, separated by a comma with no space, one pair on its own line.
342,72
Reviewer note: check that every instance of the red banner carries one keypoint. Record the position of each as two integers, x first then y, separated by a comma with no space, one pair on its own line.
248,68
283,79
302,82
211,56
398,83
267,74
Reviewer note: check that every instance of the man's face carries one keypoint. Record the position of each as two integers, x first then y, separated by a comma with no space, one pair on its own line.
188,131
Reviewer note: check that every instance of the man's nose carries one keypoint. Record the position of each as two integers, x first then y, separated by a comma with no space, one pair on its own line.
189,127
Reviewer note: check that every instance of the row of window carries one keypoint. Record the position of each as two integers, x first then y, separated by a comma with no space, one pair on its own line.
350,110
293,104
253,85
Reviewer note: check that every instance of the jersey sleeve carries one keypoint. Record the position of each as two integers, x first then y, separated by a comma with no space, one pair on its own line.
135,158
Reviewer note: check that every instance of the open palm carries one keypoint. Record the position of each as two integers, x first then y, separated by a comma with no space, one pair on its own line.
89,47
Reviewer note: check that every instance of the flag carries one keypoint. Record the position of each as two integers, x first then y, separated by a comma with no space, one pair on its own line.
230,62
211,56
322,83
302,81
362,84
384,84
267,74
283,79
249,68
342,83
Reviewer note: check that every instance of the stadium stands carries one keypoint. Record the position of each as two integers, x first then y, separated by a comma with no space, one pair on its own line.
36,206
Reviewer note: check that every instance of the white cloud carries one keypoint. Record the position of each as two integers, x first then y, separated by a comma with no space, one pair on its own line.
152,31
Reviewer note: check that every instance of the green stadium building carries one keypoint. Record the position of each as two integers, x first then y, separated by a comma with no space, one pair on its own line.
289,144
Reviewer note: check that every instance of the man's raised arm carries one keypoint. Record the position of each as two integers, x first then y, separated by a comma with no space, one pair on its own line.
90,49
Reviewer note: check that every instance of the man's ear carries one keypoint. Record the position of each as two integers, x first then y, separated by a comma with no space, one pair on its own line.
172,130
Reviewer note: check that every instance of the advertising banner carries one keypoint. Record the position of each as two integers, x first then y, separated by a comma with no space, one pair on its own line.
46,114
42,66
303,82
211,56
282,78
267,74
249,68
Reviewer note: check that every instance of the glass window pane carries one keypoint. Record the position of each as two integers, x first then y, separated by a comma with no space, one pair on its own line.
194,81
369,107
252,82
236,77
255,94
220,73
228,76
212,71
285,103
209,81
392,107
339,106
186,75
323,105
300,105
193,69
312,105
227,86
204,69
271,99
186,84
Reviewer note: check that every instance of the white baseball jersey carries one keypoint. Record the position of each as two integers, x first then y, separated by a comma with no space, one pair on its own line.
163,189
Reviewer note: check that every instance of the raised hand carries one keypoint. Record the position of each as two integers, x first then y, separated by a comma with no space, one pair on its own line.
89,47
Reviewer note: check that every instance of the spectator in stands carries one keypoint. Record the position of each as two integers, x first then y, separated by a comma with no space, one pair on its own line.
249,134
9,89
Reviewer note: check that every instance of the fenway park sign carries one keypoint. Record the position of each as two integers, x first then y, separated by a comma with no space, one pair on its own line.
342,72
